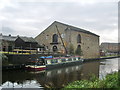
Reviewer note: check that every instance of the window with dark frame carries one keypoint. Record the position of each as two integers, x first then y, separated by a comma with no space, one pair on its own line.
79,38
55,38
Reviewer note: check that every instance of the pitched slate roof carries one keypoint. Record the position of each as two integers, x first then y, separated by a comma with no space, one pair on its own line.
27,39
13,38
8,38
76,29
106,43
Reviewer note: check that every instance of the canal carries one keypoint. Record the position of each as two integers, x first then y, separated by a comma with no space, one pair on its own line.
58,78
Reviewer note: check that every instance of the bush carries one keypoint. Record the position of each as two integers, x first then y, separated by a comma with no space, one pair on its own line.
4,59
78,51
110,81
71,49
3,56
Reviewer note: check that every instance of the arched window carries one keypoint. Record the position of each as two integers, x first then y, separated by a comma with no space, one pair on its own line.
79,47
79,38
55,38
78,50
55,48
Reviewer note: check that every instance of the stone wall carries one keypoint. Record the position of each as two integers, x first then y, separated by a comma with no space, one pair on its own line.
110,47
89,44
46,37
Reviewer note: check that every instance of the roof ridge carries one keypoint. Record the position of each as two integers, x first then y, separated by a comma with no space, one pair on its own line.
27,39
82,30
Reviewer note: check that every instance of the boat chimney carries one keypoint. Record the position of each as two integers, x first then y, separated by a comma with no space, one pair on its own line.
9,35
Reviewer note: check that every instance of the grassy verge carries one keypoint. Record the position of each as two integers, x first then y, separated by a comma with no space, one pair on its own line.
110,81
110,56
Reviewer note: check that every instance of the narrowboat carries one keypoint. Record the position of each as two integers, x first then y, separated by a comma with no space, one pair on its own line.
49,62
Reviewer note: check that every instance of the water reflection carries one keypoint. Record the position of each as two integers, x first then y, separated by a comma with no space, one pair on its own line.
89,69
56,77
108,66
49,78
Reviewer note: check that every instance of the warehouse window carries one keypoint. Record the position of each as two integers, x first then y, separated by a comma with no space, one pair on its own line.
55,48
79,47
55,38
79,38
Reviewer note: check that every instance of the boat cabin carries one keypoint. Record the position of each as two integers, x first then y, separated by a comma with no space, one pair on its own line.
56,60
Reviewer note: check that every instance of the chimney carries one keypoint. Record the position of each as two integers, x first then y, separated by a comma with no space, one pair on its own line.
9,35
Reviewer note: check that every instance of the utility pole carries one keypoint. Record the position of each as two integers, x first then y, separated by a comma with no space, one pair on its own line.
30,48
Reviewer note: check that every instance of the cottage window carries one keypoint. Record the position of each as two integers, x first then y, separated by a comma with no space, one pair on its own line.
55,38
79,38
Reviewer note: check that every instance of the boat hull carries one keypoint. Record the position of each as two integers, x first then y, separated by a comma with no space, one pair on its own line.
35,68
62,65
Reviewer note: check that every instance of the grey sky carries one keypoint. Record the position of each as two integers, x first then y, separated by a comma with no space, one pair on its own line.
30,17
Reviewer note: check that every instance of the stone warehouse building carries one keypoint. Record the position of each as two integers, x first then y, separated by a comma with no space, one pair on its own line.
63,38
110,47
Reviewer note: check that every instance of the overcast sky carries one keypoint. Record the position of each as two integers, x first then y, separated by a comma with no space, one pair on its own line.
30,17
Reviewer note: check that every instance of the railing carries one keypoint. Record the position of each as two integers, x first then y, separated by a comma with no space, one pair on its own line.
24,52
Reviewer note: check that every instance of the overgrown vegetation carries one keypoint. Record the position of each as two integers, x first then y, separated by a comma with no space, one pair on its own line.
71,49
110,81
110,56
4,59
78,51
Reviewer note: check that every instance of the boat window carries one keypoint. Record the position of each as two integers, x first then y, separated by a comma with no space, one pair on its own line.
48,61
66,59
51,61
78,58
54,61
59,60
74,59
41,61
70,59
63,60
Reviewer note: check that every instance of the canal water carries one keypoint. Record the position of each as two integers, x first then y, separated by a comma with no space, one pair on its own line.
58,78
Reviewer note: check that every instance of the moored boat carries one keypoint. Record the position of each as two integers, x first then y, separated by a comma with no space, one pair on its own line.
50,62
37,64
35,67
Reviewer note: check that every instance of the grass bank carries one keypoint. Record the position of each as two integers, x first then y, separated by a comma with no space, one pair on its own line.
110,81
110,56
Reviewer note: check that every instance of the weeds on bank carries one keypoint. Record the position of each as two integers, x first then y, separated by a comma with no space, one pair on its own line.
110,81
